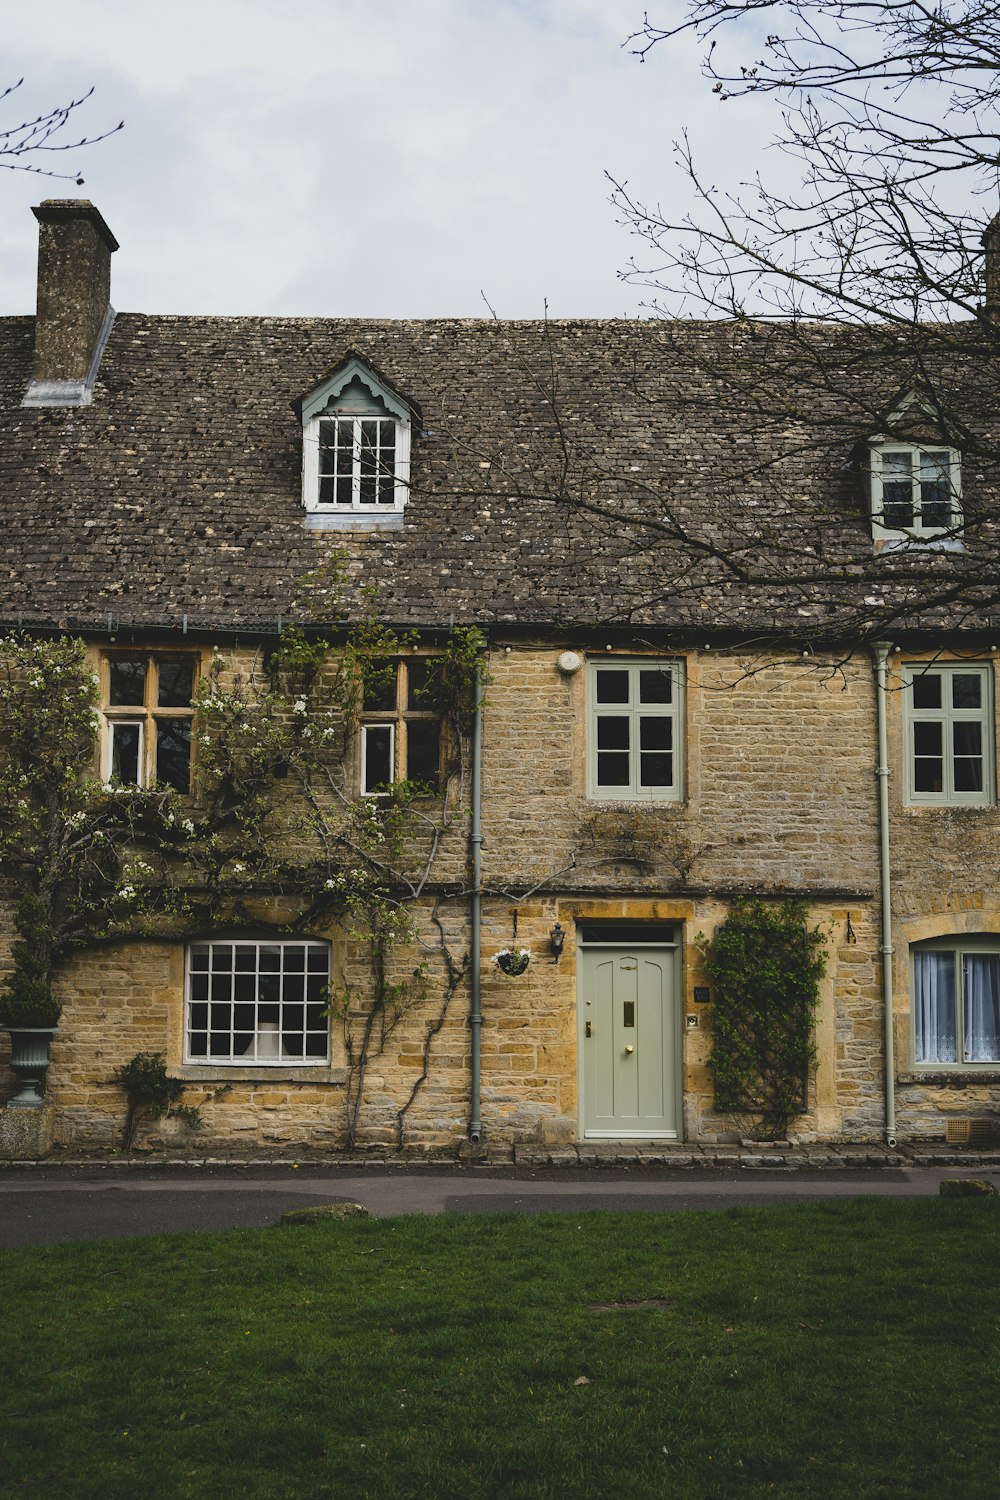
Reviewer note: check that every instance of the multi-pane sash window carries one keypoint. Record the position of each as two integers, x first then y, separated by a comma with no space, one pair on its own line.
915,490
948,712
401,729
148,718
355,450
357,462
634,748
956,1003
258,1002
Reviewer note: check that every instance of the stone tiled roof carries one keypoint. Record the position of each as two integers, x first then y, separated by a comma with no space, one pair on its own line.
660,476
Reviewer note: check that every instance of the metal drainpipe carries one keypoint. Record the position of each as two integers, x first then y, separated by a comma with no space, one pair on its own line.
881,651
475,914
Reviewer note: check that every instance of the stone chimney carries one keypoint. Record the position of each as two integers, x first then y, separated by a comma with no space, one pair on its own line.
991,268
74,312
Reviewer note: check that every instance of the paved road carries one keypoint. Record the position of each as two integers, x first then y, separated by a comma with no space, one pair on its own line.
44,1206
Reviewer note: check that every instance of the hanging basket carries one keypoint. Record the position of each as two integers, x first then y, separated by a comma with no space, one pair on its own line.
513,961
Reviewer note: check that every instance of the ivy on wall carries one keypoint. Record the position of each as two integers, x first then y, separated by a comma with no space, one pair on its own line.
152,1094
765,964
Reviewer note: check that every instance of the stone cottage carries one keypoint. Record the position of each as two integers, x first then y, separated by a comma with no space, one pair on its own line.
731,589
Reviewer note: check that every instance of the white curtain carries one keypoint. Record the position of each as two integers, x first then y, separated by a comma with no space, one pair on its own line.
981,1013
934,1006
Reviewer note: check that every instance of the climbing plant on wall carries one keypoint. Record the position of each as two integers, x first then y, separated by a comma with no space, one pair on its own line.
274,815
765,964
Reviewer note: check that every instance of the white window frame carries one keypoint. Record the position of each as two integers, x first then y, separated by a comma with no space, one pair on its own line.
947,715
266,1048
311,466
144,715
337,398
113,722
634,711
961,947
880,448
381,724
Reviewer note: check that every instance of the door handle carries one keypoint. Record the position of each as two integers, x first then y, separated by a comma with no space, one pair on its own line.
588,1031
629,1050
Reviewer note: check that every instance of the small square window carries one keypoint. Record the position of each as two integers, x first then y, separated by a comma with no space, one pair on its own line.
949,735
634,734
174,681
127,680
612,684
357,462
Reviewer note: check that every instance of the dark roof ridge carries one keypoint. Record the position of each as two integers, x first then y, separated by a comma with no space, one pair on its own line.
307,320
688,326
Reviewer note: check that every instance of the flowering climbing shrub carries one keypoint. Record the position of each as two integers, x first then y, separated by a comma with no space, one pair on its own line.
272,817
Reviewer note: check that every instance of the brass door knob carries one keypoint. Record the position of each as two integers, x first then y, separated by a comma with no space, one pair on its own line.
628,1050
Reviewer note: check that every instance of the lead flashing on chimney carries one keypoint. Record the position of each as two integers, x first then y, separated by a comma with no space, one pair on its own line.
71,392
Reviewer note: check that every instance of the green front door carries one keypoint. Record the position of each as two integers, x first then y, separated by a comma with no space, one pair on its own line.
629,1040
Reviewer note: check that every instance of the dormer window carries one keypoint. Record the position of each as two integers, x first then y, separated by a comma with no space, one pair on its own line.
915,492
357,462
356,448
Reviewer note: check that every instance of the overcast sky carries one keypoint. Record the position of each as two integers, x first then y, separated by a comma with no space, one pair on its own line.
326,157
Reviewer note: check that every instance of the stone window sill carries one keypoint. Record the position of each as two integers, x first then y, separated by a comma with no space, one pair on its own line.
281,1074
353,521
959,1079
949,807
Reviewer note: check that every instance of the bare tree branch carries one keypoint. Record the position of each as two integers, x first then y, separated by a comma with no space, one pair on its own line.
890,111
22,145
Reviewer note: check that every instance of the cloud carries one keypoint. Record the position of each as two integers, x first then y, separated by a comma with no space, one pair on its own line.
389,160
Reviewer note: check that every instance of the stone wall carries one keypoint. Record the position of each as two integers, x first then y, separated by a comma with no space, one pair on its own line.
530,1030
130,997
780,797
778,781
945,882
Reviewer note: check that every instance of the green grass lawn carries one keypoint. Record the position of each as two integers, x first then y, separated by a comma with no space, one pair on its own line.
817,1350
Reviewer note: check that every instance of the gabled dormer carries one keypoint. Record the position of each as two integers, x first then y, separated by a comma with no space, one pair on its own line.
356,430
915,471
